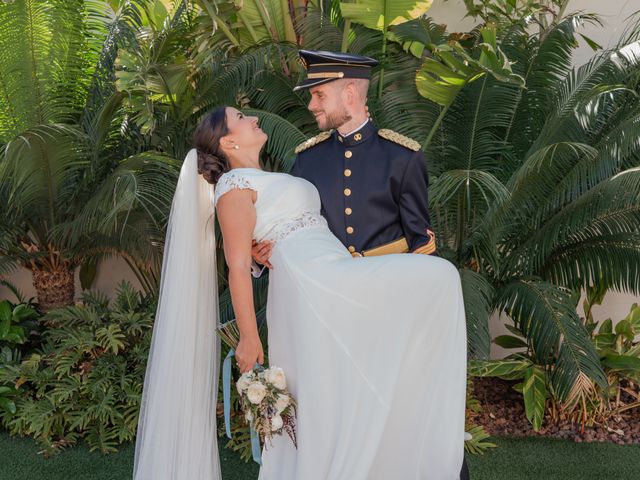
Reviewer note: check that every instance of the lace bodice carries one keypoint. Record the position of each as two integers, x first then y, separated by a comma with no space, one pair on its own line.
284,204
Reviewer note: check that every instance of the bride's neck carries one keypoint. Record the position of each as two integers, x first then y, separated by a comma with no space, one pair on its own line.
244,160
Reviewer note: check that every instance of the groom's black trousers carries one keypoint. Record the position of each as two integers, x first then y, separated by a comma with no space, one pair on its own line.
464,471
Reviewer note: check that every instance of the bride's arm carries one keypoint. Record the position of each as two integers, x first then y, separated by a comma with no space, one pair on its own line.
237,217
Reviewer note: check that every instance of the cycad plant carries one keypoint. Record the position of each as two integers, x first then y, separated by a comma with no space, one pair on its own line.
71,168
535,195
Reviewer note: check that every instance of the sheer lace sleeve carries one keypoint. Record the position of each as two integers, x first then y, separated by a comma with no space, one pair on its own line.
231,181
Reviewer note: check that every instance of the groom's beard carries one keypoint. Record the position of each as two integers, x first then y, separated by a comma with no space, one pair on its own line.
333,120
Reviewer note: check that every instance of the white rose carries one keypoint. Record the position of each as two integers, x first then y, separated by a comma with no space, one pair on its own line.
282,402
275,376
243,383
276,423
256,392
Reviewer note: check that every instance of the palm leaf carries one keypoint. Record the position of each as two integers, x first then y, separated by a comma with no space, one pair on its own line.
283,139
546,315
478,297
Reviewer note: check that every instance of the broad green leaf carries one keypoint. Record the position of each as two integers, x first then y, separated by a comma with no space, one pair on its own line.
535,394
379,14
605,340
5,311
440,79
8,405
606,327
5,390
22,311
509,341
622,362
623,327
634,317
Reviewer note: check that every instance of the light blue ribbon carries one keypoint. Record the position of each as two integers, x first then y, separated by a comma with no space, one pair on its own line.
226,390
255,446
226,397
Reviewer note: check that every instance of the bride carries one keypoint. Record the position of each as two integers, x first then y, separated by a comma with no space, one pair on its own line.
374,348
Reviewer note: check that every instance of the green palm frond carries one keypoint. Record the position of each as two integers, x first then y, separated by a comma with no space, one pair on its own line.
26,48
531,185
37,165
618,144
284,137
318,32
233,78
273,92
401,107
612,207
546,315
143,182
458,201
611,261
478,304
542,64
482,110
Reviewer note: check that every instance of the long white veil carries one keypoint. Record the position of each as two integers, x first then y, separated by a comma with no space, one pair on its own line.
176,438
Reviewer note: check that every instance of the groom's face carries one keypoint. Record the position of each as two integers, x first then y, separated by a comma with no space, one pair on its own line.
328,105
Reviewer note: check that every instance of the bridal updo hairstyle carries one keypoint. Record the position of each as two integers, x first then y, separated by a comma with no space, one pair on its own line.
212,162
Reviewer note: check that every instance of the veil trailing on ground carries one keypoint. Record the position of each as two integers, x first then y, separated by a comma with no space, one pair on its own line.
176,438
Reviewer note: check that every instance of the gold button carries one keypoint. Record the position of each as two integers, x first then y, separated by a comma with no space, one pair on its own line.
340,138
347,173
348,153
347,192
352,249
348,211
349,230
357,137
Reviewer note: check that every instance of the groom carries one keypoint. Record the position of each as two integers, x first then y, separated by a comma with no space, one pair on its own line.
372,183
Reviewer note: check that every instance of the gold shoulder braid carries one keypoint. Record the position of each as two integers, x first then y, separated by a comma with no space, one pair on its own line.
321,137
399,139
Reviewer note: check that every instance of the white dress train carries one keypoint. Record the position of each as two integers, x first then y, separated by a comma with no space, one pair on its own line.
374,348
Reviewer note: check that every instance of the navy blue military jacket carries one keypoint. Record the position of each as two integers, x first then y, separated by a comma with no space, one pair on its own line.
373,190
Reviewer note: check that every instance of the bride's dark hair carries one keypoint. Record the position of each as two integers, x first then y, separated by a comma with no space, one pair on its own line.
212,162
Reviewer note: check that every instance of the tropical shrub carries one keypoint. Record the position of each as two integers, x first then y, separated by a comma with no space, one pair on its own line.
86,379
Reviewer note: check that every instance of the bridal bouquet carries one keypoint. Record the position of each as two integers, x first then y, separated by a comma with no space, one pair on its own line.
268,406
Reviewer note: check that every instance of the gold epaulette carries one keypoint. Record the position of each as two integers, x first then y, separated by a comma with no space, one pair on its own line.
399,139
321,137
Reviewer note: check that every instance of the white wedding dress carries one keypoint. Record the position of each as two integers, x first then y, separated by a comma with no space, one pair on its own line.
374,349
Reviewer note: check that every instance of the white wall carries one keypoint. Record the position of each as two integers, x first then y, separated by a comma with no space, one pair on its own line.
613,14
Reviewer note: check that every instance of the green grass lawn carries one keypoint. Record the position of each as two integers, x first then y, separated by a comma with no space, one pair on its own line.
514,459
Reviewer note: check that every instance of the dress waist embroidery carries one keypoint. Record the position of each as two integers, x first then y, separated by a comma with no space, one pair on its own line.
287,228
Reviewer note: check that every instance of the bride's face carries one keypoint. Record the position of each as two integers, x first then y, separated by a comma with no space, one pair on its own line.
244,131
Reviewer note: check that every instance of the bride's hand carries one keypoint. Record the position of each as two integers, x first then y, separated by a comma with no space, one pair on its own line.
249,352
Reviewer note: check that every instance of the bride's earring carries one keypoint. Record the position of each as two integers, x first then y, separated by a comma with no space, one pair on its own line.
236,147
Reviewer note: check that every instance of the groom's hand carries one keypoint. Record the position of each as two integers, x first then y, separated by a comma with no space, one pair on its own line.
261,252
